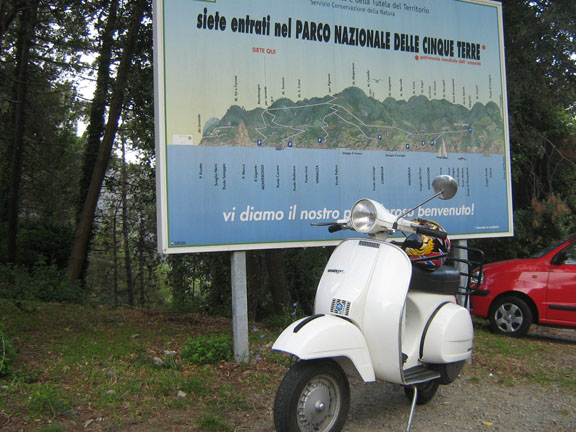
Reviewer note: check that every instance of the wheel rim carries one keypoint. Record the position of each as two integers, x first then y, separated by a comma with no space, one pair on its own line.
319,404
509,317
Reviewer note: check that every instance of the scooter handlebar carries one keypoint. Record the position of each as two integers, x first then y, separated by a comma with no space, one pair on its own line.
334,228
431,232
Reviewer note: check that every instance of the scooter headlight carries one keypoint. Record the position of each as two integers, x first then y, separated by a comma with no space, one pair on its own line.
363,216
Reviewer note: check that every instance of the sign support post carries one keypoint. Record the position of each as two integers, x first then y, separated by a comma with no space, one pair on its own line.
240,307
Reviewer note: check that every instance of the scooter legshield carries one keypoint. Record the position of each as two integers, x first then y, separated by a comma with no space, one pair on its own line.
327,336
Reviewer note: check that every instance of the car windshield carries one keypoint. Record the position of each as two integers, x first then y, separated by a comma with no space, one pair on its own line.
550,248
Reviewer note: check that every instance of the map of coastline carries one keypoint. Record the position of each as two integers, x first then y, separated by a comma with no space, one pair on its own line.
352,120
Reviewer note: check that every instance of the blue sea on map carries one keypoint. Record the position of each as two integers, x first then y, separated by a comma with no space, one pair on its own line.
231,195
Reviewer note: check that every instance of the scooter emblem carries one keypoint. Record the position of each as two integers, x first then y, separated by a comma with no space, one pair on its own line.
340,307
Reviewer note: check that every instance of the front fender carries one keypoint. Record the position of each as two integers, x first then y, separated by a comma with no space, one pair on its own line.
327,336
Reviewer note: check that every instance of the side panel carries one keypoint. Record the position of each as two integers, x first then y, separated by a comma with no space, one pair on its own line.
327,337
419,307
450,336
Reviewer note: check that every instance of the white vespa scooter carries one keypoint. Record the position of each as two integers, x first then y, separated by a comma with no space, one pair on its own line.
376,315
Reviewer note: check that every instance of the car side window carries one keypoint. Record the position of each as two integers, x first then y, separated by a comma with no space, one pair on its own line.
570,254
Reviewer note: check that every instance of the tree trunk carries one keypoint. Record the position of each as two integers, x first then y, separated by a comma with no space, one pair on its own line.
23,47
125,229
276,264
83,230
115,257
98,105
8,11
141,287
178,281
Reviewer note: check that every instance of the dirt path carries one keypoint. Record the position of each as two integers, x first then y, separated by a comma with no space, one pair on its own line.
464,406
469,404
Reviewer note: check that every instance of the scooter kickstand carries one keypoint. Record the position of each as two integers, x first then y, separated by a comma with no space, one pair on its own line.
413,408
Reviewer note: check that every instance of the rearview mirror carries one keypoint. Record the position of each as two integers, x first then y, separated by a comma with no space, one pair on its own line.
445,186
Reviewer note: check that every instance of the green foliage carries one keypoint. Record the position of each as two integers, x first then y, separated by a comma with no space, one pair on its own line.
47,400
278,321
208,349
418,112
43,283
304,270
201,282
541,88
537,227
196,386
541,93
229,396
7,354
41,241
284,319
211,423
26,376
53,428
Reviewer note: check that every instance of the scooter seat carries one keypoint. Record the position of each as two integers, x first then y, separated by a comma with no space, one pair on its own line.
445,280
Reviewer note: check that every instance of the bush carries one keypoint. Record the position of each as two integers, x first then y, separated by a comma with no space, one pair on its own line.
41,240
44,283
7,354
208,349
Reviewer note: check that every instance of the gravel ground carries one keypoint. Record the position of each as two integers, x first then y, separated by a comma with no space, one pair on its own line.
463,406
470,405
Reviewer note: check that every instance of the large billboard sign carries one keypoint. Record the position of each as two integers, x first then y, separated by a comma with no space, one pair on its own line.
272,114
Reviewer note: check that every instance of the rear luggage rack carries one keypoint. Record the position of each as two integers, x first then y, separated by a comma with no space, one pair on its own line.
473,265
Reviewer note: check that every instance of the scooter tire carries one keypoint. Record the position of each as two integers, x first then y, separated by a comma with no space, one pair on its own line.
313,396
426,392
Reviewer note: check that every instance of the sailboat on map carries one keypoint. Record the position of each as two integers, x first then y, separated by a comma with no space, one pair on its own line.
442,153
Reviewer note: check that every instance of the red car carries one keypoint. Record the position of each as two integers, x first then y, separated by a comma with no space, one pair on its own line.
540,289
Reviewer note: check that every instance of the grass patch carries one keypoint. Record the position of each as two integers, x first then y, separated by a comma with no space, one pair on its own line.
512,360
211,423
46,400
76,363
80,362
53,428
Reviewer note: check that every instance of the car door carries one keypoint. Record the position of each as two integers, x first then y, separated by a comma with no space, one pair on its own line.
561,293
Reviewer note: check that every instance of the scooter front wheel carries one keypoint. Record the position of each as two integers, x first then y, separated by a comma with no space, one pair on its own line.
313,396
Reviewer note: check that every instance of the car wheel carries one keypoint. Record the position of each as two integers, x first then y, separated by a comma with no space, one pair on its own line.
510,316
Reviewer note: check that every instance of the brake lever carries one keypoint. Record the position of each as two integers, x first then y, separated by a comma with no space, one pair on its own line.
332,226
